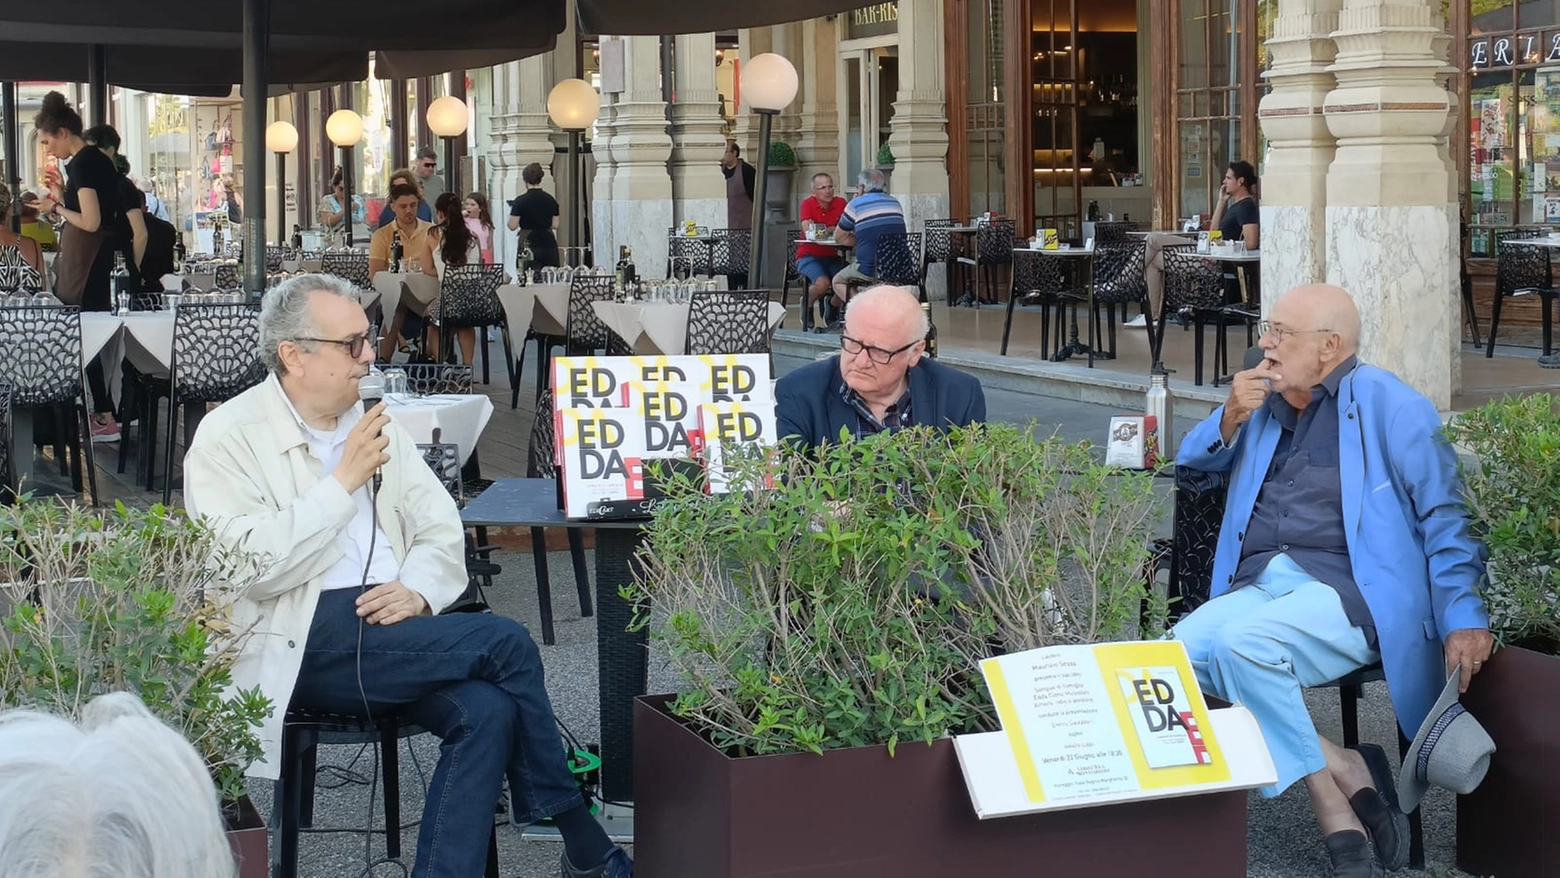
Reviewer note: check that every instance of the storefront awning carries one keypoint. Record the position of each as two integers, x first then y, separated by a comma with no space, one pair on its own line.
631,17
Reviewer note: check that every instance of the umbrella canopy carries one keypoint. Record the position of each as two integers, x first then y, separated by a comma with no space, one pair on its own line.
177,69
642,17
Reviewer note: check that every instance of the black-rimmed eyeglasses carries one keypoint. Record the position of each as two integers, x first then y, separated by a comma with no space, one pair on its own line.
881,356
353,345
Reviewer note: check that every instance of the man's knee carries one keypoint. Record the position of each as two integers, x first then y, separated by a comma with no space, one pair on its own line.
474,707
1239,641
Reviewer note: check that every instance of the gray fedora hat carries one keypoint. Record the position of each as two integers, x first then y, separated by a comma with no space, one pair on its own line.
1451,750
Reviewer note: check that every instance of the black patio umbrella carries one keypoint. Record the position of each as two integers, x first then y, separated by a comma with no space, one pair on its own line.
666,17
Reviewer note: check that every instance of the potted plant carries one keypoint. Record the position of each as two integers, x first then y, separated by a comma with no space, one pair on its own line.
1506,826
885,161
828,632
95,601
782,169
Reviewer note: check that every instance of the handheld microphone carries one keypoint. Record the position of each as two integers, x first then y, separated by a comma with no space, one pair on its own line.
371,390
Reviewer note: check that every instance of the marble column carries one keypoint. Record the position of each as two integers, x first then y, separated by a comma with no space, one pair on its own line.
1294,176
919,130
1389,219
786,40
603,182
527,139
818,137
640,207
1440,46
698,187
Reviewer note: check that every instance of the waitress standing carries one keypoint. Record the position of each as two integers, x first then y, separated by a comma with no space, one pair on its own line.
535,215
90,205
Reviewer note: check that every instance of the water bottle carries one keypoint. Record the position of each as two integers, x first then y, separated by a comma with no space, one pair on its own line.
1160,405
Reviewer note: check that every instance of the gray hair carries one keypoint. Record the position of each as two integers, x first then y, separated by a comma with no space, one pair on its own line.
872,180
285,314
122,794
426,152
893,297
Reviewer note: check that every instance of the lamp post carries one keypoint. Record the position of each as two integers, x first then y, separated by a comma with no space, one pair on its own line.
573,105
281,138
345,129
768,85
447,120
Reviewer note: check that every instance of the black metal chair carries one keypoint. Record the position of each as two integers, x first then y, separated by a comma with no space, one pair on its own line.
274,256
1522,270
1047,280
1197,519
937,246
215,358
1110,232
793,239
994,242
40,358
687,257
428,379
7,449
583,289
1196,287
468,299
1119,267
730,255
351,267
899,261
728,322
541,464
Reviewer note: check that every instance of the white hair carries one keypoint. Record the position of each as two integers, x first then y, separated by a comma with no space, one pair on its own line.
122,795
285,314
872,180
892,299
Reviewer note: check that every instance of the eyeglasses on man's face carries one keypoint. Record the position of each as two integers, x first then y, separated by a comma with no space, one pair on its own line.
1281,332
881,356
353,346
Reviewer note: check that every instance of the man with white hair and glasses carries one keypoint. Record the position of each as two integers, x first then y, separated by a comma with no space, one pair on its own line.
359,548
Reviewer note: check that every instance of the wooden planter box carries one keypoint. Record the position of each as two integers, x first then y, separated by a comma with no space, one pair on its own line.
248,837
701,814
1508,826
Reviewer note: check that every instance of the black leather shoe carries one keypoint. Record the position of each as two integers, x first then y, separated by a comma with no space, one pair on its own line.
1353,856
1378,810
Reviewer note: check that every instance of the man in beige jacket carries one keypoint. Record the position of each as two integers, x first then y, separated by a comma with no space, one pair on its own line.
346,579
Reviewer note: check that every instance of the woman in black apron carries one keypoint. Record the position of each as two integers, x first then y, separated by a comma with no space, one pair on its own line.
88,200
535,215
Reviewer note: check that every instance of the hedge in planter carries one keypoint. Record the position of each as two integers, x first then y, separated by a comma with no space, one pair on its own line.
1506,826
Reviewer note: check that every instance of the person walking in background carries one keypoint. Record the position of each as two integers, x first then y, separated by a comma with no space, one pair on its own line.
480,221
740,179
154,204
535,215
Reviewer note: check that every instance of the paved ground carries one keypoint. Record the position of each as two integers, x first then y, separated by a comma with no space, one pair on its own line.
1284,841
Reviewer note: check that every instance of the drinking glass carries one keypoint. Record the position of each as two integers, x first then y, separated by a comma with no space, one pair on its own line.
395,382
414,265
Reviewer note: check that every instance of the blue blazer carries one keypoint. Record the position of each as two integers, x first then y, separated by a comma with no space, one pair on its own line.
809,405
1417,566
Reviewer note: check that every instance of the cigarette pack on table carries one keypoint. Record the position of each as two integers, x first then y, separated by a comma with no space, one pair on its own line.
1133,442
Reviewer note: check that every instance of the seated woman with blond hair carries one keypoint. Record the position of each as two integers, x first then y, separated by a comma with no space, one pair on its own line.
122,794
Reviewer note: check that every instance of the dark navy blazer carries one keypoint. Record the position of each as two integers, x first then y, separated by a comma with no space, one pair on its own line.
810,406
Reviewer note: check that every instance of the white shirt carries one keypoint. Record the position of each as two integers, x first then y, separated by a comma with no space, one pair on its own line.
363,531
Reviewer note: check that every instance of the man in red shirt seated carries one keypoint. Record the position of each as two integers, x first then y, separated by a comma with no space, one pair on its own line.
819,263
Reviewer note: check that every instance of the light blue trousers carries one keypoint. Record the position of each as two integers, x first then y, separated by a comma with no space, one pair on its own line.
1261,645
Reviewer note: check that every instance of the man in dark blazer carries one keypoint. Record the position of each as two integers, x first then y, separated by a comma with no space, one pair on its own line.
879,381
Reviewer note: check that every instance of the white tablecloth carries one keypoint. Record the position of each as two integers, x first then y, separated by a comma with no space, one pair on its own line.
388,284
543,307
658,328
98,328
459,418
149,340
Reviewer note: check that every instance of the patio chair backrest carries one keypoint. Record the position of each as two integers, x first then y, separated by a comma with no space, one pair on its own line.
274,256
584,329
731,251
216,352
1521,267
898,259
540,454
939,241
728,322
1198,517
429,379
40,354
1035,271
995,241
226,276
7,471
350,267
468,295
1119,270
1107,232
691,254
444,459
1192,282
793,239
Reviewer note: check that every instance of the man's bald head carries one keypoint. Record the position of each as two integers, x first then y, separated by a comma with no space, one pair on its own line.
1329,307
1312,330
889,309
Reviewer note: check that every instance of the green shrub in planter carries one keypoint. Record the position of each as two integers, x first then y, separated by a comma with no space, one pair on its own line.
885,156
849,605
125,600
1513,493
781,155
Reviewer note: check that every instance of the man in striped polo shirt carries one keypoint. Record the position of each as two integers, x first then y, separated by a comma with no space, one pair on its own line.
868,217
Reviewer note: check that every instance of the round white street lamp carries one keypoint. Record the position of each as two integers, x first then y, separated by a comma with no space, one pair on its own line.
345,129
574,105
281,138
768,86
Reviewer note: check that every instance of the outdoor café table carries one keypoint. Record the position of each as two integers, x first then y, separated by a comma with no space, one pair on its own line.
658,327
457,418
392,285
705,242
967,237
621,655
1240,263
542,308
1086,255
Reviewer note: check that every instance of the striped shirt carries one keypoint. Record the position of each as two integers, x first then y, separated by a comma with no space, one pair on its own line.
871,215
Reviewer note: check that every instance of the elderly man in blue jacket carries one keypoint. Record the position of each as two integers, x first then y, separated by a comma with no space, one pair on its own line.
1345,542
880,381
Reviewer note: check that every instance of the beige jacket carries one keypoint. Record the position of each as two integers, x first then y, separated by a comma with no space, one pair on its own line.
249,476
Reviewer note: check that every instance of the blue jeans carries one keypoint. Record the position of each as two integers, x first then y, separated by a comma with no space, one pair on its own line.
1261,645
472,679
815,268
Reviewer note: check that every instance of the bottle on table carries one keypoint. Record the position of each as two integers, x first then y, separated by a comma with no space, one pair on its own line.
297,237
931,330
397,251
524,263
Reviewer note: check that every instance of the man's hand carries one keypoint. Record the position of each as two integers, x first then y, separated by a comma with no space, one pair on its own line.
1468,649
365,450
389,603
1248,391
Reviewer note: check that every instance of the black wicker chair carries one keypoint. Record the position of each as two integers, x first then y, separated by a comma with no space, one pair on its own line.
1196,287
428,379
351,267
899,262
730,255
1522,270
1049,281
540,464
728,322
1119,279
1110,232
994,243
938,247
793,239
274,256
687,257
40,358
215,358
468,299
